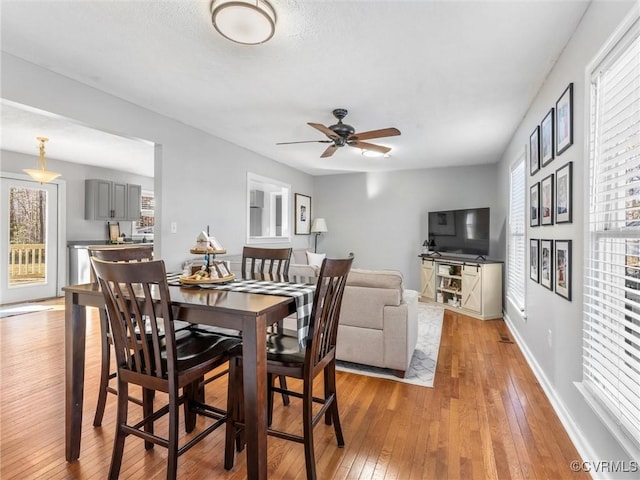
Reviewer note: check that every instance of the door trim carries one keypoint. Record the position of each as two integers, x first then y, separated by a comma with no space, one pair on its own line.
62,262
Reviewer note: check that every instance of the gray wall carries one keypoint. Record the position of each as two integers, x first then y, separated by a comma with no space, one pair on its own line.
199,179
74,175
559,365
381,217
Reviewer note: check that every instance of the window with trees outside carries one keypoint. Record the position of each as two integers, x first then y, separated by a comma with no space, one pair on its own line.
611,326
144,226
27,236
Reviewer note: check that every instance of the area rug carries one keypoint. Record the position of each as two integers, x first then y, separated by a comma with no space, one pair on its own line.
422,369
21,309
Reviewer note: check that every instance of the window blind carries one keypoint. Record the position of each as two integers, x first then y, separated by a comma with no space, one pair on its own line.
516,265
611,327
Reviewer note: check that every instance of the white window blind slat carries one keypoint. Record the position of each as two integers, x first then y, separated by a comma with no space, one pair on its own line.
611,320
517,229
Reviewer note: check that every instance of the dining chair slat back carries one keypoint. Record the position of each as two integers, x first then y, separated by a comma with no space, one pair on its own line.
132,309
271,261
325,313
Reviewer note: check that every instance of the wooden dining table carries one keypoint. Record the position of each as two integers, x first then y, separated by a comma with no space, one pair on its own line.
248,312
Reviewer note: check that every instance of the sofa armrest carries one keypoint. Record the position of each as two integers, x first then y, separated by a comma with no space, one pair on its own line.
301,270
401,331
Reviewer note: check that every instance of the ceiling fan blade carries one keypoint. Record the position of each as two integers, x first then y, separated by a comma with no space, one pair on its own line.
327,131
331,149
384,132
370,146
305,141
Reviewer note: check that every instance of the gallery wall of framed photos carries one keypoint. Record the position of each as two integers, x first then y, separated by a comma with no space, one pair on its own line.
551,197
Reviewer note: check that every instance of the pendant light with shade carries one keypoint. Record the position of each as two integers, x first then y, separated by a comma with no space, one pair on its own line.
41,174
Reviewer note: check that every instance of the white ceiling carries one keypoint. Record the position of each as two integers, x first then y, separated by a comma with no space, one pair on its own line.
456,77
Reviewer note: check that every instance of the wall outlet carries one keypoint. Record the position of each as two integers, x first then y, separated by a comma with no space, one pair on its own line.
550,338
174,227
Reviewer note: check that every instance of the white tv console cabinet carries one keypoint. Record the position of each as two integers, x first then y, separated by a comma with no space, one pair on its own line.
471,287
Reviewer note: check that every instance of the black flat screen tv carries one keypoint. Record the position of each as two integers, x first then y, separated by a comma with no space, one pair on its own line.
460,231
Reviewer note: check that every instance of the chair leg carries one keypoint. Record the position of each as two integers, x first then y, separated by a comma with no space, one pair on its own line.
230,431
147,410
234,414
283,385
330,379
270,395
279,327
172,454
307,428
104,369
327,392
191,393
118,441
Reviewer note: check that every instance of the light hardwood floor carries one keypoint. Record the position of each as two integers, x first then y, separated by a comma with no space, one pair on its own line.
486,417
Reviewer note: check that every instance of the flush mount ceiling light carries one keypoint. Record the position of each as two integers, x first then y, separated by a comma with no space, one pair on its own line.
244,21
373,153
41,174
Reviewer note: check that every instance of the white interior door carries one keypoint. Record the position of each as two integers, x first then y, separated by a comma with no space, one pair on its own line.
28,240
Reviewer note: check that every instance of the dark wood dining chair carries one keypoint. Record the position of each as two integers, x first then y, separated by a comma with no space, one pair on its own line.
137,299
286,358
112,254
271,261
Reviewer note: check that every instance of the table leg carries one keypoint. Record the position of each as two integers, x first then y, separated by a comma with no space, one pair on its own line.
254,367
74,351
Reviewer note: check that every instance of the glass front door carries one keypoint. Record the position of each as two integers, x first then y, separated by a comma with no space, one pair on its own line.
28,240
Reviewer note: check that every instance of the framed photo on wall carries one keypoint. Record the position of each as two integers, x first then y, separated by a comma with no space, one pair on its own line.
564,120
546,264
534,260
302,214
562,255
564,193
546,200
534,205
546,139
534,151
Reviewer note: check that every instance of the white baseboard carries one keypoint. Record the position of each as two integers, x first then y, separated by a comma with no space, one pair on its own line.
581,443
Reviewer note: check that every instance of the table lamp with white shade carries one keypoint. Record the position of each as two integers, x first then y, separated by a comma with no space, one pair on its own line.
318,226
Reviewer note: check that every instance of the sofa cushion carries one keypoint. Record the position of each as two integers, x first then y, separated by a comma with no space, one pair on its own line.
375,278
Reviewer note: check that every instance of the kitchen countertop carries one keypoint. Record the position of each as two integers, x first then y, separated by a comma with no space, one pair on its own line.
87,243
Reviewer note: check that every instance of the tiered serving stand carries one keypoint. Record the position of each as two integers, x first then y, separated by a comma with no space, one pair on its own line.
211,252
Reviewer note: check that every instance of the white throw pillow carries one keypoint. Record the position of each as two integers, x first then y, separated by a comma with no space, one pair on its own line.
315,259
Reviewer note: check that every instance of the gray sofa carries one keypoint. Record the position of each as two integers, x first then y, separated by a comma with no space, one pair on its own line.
378,321
379,317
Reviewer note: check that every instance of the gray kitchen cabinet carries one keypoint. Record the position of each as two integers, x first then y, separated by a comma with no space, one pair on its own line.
134,199
107,200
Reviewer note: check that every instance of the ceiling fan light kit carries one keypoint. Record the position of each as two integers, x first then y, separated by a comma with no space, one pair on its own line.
373,153
41,174
341,134
244,21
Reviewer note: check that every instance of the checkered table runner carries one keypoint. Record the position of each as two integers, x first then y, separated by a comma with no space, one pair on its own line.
302,292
